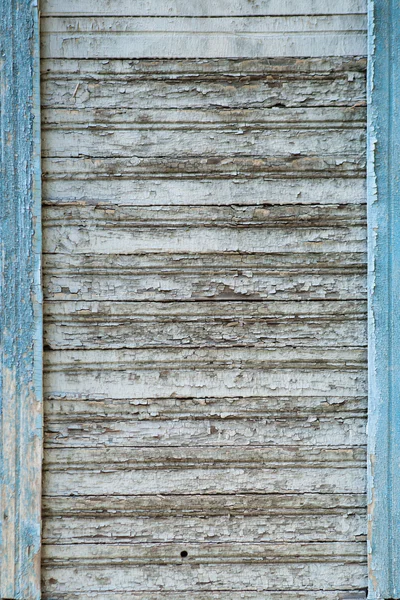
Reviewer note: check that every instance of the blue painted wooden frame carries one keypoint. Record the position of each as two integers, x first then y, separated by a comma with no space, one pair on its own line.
384,299
21,321
20,302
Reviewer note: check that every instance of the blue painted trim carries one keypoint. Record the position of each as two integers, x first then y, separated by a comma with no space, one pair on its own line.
20,302
384,299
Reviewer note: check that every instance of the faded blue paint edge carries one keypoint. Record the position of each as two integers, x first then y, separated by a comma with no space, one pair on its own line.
20,302
384,299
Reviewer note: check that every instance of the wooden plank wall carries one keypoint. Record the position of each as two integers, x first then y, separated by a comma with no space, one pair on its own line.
205,286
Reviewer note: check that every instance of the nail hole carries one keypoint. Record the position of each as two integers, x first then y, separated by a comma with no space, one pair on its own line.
184,554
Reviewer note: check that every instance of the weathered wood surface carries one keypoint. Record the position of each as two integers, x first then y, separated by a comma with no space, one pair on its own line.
209,8
187,84
196,595
205,315
107,37
173,324
21,407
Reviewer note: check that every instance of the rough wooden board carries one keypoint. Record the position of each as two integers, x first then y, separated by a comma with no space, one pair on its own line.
353,358
21,302
185,193
104,325
180,240
169,553
108,529
187,119
308,431
202,481
217,68
223,577
113,84
159,457
190,280
196,595
60,408
202,8
290,165
180,37
212,505
164,143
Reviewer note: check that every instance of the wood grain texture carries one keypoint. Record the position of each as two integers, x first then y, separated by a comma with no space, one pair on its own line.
21,435
196,595
187,84
205,284
199,37
384,253
192,8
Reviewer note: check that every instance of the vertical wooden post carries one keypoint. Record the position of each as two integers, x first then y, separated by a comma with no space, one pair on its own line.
384,299
21,320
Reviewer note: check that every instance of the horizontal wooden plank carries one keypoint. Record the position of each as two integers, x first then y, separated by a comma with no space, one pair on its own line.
245,505
234,216
108,529
63,408
211,595
260,262
270,24
169,553
276,455
347,67
272,358
148,37
132,383
87,238
163,142
305,431
239,505
110,120
102,333
102,284
183,192
203,481
205,8
129,91
274,312
118,325
179,278
225,166
132,230
229,578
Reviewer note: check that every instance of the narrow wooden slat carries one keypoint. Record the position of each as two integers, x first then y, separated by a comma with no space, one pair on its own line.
195,506
109,325
288,528
184,192
204,8
212,595
332,67
289,165
60,407
147,37
187,578
228,276
202,481
121,457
